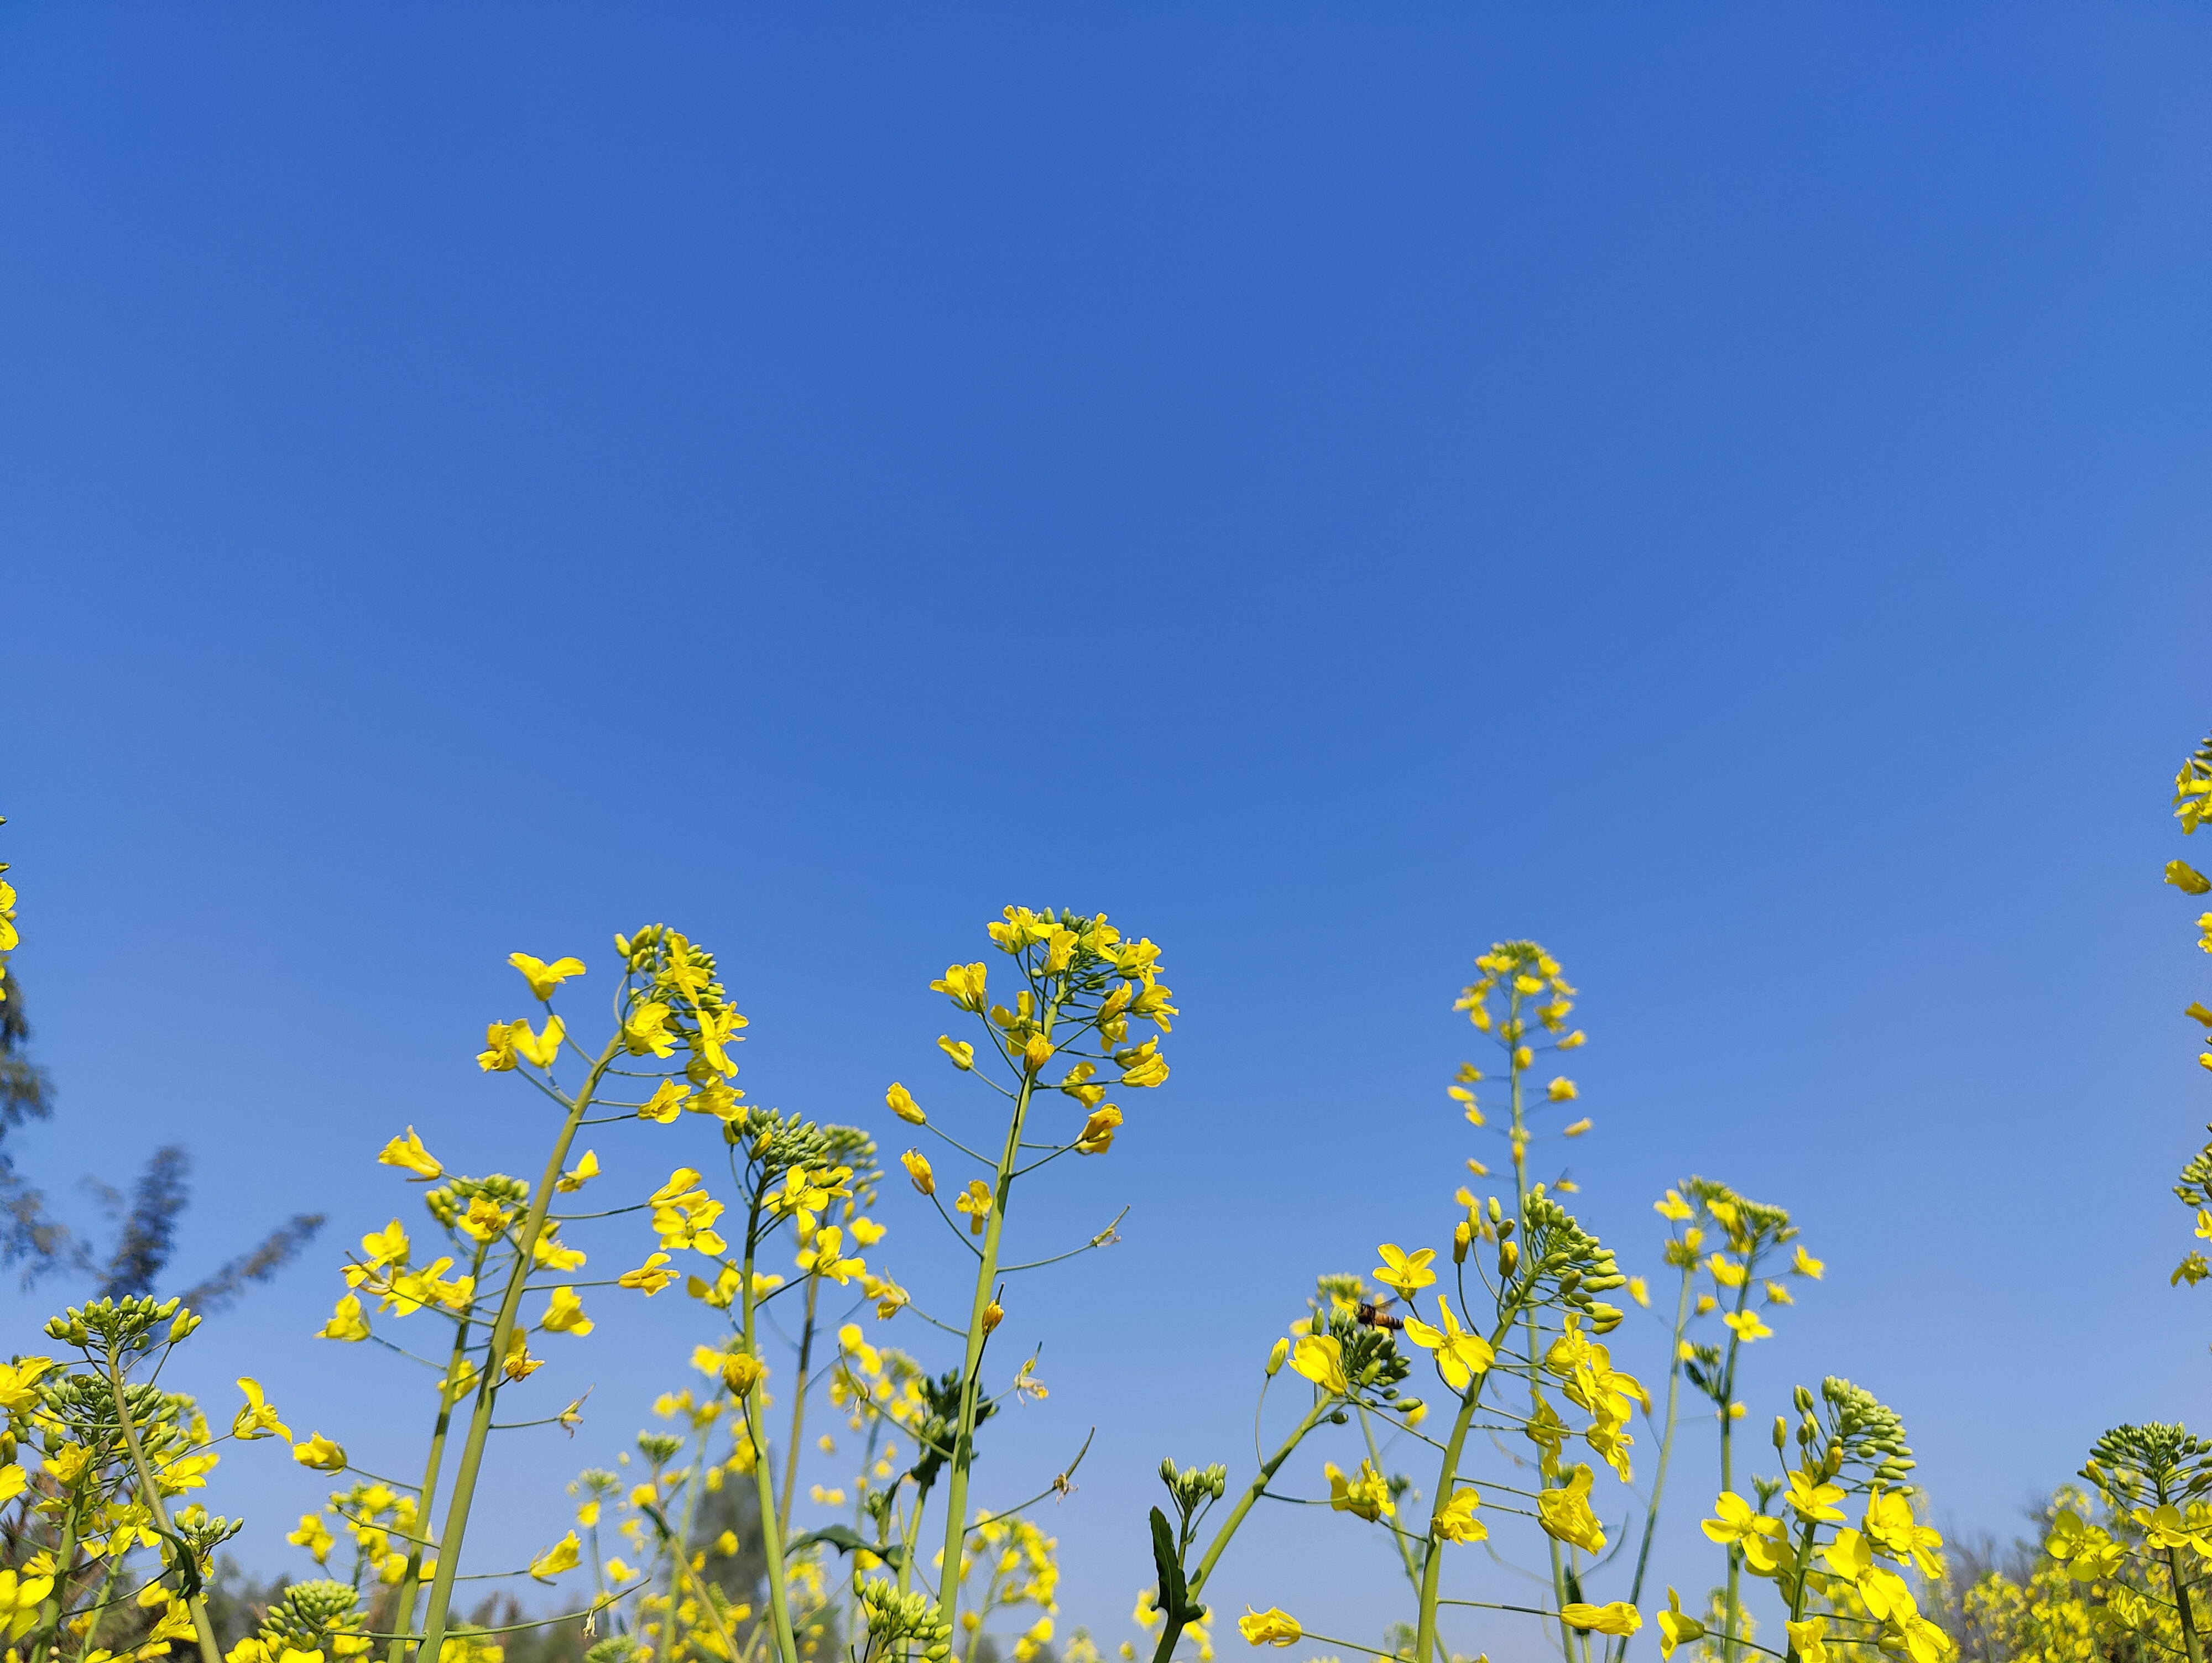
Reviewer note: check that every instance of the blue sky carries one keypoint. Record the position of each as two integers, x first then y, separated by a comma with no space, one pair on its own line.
1720,490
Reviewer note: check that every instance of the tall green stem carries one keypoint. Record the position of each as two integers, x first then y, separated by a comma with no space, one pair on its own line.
1425,1638
987,1274
798,1405
151,1491
403,1610
1666,1448
756,1411
1731,1647
502,1333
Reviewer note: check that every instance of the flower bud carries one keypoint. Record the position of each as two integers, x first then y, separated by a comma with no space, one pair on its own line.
1802,1399
183,1325
1604,1317
1509,1255
1168,1470
1278,1356
992,1316
1781,1437
1462,1238
741,1372
621,945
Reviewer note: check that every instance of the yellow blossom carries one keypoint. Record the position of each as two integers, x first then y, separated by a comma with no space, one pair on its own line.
564,1314
1365,1494
1320,1358
544,978
1675,1628
563,1555
319,1453
1619,1618
1463,1356
902,1103
648,1278
917,1167
961,1053
1805,1265
1814,1500
1405,1272
664,1104
1746,1326
541,1049
976,1202
1566,1512
580,1175
963,985
1272,1627
258,1419
1454,1522
1097,1134
408,1152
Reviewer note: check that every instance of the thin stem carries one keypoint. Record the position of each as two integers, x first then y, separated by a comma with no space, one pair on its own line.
1666,1448
798,1406
987,1276
1425,1638
472,1448
403,1606
779,1601
151,1491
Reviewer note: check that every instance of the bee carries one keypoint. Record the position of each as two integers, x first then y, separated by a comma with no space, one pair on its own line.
1378,1316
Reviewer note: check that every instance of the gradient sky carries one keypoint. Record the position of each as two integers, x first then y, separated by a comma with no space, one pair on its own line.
1722,489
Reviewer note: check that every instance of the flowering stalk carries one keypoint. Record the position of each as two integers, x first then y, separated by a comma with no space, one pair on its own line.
1666,1444
979,1330
502,1333
150,1489
746,1388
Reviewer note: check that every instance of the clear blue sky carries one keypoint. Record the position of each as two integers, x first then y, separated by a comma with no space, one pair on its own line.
1722,489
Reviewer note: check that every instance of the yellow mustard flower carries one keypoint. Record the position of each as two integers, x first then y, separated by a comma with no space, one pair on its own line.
1320,1358
564,1314
1676,1627
902,1103
1566,1512
1619,1618
1454,1522
1272,1627
976,1202
917,1168
648,1278
258,1419
579,1175
1365,1494
408,1152
563,1555
1097,1134
1407,1272
961,1053
544,978
319,1453
1463,1356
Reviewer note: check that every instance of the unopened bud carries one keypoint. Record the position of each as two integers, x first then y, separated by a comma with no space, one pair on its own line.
186,1322
741,1372
1168,1470
1604,1317
1277,1357
1509,1255
1462,1237
1804,1399
992,1316
1781,1435
621,945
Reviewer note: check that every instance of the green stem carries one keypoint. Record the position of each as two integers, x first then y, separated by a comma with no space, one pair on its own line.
2181,1603
1172,1631
402,1618
987,1273
472,1448
755,1411
1425,1638
1734,1610
50,1612
1666,1448
798,1406
151,1491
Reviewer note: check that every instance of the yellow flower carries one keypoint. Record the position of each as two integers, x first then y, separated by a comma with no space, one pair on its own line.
20,1599
1405,1272
1726,1270
408,1152
664,1104
1561,1091
1890,1525
1808,1639
498,1055
1272,1627
1746,1326
2186,878
645,1032
1097,1134
580,1175
917,1167
961,1053
1805,1265
903,1104
18,1387
313,1535
1638,1292
963,985
564,1314
823,1256
1463,1356
1320,1358
1813,1500
319,1453
519,1364
539,1048
741,1372
1565,1513
1618,1618
1847,1555
1738,1521
1144,1067
976,1202
485,1219
563,1555
1676,1628
258,1419
1365,1494
648,1278
1454,1522
993,1314
544,978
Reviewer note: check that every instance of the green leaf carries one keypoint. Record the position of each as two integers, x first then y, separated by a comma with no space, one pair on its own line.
845,1539
1174,1593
